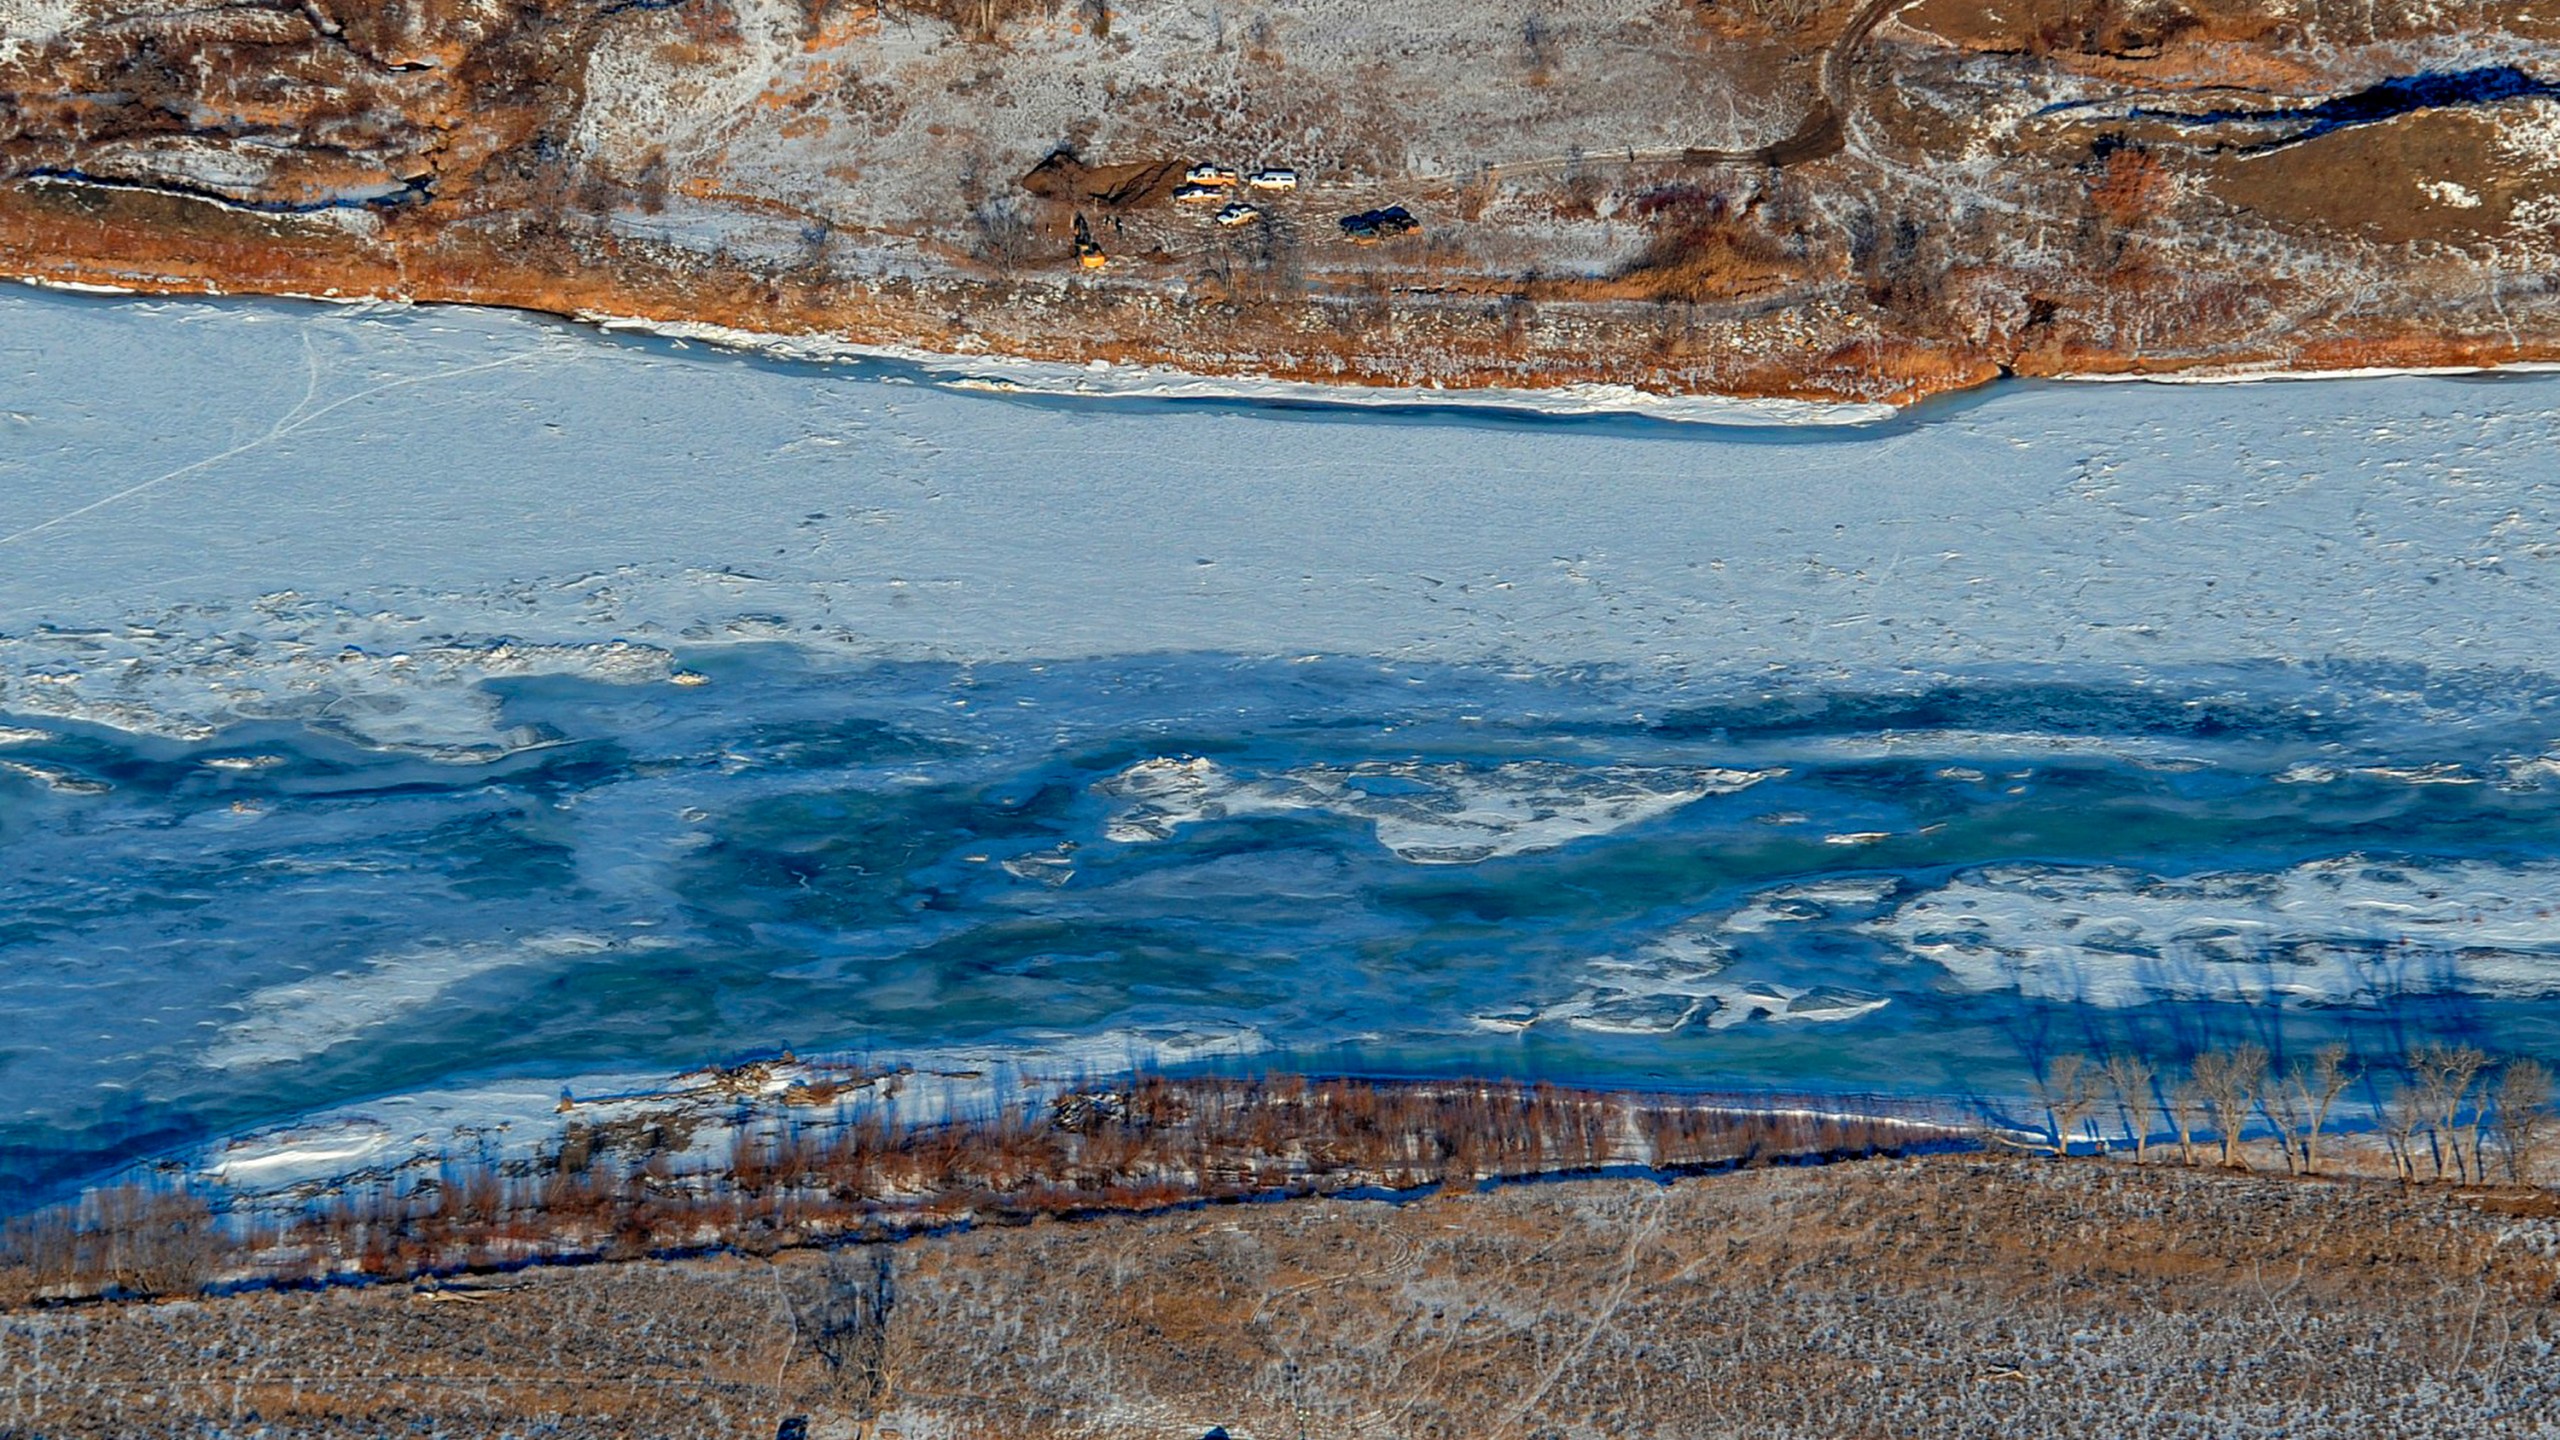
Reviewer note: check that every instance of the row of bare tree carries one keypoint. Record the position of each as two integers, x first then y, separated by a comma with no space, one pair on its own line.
1153,1142
2440,1109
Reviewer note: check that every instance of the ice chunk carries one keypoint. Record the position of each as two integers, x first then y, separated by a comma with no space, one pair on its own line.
1429,813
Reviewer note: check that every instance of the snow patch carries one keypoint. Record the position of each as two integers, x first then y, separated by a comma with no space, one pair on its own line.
26,24
74,287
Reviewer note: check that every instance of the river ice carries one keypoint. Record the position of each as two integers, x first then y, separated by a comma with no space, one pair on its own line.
398,703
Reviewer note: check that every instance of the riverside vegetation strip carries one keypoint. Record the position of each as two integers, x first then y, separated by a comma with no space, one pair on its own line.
834,1160
1778,198
783,1154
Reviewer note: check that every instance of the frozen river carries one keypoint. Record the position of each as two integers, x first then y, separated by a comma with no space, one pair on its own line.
398,702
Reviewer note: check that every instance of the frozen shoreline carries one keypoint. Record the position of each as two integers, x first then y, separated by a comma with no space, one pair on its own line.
399,1141
1104,380
2246,375
405,1137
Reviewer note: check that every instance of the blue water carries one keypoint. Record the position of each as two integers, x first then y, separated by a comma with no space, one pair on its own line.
2383,100
818,852
1891,759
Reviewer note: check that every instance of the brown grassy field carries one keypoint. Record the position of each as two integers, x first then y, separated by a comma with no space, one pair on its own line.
1955,1296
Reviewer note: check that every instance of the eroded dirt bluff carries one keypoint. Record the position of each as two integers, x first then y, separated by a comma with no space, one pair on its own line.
1762,197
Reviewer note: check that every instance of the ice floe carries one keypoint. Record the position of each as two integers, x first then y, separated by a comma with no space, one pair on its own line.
381,680
55,778
301,1018
1682,979
1716,1006
569,522
1438,813
1812,900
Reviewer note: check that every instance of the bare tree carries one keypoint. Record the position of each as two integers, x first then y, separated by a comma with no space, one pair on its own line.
845,1316
2284,1116
2129,1077
2524,1113
1001,237
2445,1075
2404,1111
2316,1085
2230,1081
152,1242
2186,1110
2070,1095
2470,1132
1538,48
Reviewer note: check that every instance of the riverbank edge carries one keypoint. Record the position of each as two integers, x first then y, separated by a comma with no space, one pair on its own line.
969,328
846,1169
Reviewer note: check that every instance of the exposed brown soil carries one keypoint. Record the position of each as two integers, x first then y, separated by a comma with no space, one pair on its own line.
2375,181
1064,178
1959,1296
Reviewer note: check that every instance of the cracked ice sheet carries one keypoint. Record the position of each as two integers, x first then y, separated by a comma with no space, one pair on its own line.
2346,931
298,480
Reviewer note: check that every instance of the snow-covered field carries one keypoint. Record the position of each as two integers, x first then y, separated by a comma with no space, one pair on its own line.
889,120
440,703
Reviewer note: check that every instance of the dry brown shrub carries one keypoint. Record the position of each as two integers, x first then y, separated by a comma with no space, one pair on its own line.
1706,246
2130,184
1708,264
984,20
1803,20
146,1241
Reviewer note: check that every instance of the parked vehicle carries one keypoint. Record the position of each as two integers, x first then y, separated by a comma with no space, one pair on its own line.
1189,193
1215,176
1371,226
1239,213
1273,180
